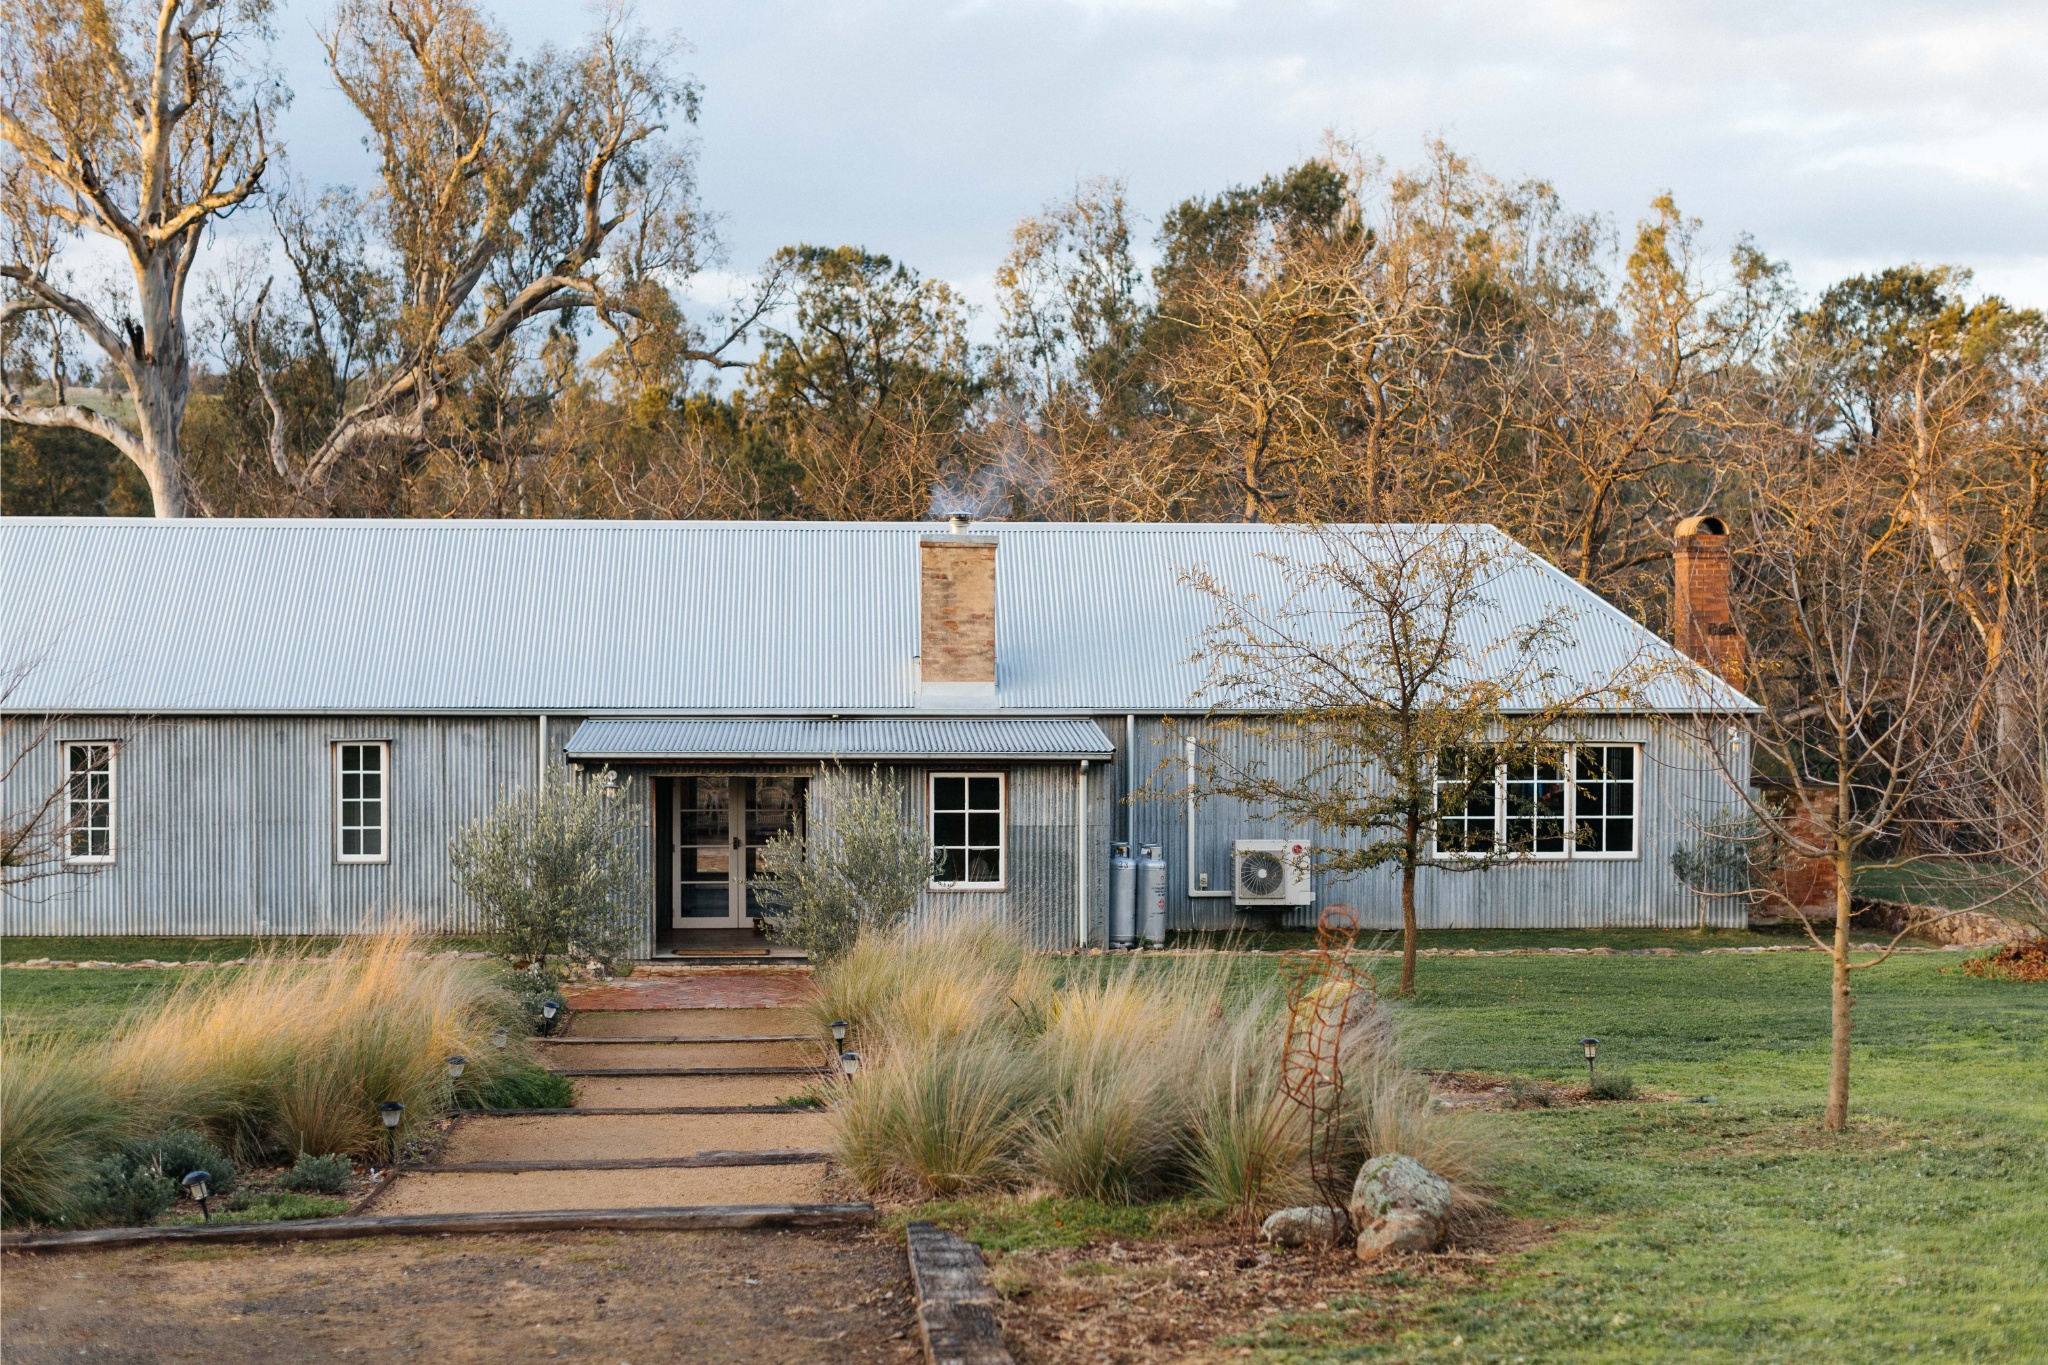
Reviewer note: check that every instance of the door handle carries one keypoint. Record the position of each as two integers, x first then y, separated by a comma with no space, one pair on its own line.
735,841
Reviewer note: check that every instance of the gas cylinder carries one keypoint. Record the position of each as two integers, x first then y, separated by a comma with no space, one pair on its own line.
1152,894
1123,897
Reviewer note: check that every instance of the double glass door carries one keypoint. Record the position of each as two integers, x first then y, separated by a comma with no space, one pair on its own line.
720,825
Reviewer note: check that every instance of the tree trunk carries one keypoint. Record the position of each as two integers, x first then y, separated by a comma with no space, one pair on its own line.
1838,1062
1408,931
160,419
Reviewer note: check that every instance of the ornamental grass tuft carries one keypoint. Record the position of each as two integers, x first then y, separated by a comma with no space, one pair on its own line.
986,1067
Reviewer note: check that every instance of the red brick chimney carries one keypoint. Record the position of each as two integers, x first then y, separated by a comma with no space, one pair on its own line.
1702,626
956,629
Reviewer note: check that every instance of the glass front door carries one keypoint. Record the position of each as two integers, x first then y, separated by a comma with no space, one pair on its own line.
720,825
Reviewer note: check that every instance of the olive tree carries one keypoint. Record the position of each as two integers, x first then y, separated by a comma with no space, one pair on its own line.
553,874
860,872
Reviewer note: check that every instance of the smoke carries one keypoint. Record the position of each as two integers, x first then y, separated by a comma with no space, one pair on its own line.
1011,479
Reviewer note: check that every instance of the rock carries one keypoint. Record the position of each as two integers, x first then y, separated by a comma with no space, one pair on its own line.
1300,1227
1398,1204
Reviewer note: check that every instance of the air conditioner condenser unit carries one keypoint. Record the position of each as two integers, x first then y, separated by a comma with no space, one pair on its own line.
1270,872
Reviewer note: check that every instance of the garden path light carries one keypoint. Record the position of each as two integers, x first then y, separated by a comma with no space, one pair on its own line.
456,1065
391,1111
849,1062
838,1030
195,1185
1592,1047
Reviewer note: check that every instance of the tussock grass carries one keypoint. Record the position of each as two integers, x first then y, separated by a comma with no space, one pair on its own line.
987,1067
282,1057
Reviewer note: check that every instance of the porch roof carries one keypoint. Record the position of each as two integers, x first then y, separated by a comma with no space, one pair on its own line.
597,741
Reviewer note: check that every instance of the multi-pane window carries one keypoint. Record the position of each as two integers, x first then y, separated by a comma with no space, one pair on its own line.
1575,801
362,801
1534,816
1468,811
1604,799
89,803
967,829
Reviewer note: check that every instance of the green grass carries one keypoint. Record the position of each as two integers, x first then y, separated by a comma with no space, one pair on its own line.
1731,1231
126,948
1495,940
1009,1224
80,1005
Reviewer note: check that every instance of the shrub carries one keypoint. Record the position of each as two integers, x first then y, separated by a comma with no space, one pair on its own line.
861,872
119,1193
554,875
1612,1085
937,1118
56,1121
318,1174
1526,1093
179,1152
526,1087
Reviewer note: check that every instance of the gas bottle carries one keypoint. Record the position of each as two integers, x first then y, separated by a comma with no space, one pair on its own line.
1123,897
1152,894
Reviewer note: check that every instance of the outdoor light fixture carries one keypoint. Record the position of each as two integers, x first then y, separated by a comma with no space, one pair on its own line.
838,1030
391,1111
455,1065
611,782
849,1062
499,1038
195,1185
1592,1046
549,1008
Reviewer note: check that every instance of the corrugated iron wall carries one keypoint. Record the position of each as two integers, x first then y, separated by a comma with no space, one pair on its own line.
226,826
1039,898
1679,791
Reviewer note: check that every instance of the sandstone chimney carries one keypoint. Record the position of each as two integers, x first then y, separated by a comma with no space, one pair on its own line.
1702,625
956,628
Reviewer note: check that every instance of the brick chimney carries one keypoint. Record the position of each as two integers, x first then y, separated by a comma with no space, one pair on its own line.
1702,625
956,628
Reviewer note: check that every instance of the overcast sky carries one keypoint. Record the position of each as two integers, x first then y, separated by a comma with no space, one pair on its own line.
1843,136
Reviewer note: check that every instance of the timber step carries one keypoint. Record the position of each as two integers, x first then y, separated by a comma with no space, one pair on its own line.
665,1041
664,1219
688,1071
616,1111
778,1156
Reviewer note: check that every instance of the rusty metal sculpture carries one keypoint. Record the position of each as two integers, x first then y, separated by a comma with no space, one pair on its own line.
1328,990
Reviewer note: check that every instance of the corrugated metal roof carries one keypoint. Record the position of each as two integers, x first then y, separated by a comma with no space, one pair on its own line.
863,740
648,618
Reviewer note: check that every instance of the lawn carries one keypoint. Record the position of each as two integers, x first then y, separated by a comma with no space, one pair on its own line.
1734,1230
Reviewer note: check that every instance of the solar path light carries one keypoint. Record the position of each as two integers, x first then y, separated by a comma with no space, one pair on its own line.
499,1038
549,1008
195,1185
391,1111
1592,1046
849,1062
838,1030
456,1065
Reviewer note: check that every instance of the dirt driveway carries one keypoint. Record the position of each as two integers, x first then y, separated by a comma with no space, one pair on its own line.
631,1298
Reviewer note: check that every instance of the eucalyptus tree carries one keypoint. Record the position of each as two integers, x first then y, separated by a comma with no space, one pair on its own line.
141,124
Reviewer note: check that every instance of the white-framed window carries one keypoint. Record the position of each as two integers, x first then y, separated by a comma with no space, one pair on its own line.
89,802
1574,801
362,801
970,831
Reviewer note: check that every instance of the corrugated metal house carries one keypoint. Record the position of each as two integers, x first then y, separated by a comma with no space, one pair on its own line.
276,726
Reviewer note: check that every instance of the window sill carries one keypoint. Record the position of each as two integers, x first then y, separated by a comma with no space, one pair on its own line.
954,887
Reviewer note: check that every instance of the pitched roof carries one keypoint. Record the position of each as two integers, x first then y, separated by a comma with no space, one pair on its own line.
651,618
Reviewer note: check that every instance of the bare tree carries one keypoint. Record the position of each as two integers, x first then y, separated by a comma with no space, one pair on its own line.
1401,692
140,123
1862,665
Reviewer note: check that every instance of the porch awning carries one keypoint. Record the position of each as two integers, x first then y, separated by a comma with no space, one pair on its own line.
880,740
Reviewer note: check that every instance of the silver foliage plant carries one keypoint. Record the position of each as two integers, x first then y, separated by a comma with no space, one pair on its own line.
554,875
861,872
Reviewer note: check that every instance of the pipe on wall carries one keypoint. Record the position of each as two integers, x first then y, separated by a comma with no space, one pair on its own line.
540,768
1188,782
1081,857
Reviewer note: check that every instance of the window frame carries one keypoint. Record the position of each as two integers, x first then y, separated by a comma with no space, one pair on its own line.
383,746
1572,852
71,802
931,802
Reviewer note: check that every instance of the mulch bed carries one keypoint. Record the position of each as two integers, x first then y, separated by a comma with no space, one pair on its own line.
2026,960
1214,1294
745,988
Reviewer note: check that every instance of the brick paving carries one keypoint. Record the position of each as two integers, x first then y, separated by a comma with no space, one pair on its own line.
744,988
